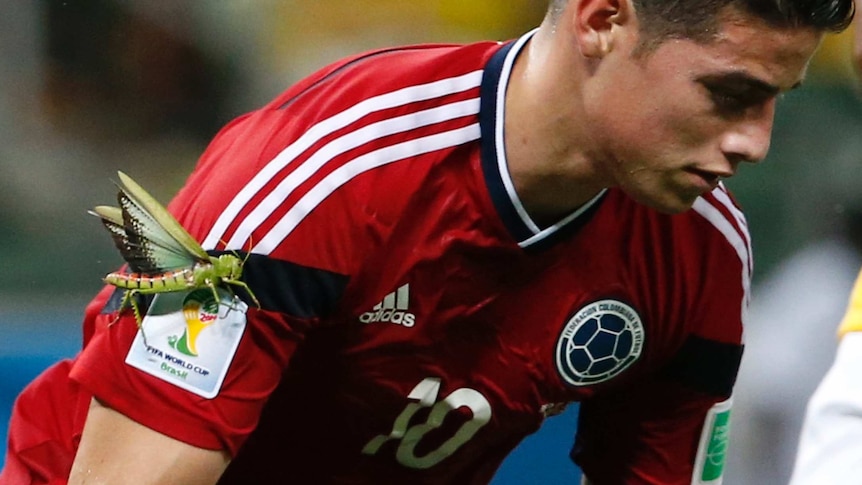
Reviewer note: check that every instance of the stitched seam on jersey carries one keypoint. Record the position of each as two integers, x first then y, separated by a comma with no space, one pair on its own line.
320,130
357,166
715,217
342,145
337,71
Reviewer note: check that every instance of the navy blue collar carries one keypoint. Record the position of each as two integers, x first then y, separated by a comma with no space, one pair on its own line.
523,229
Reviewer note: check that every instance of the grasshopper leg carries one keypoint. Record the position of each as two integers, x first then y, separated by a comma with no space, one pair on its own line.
124,303
244,286
139,319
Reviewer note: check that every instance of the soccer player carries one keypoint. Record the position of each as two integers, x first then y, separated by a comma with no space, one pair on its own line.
450,243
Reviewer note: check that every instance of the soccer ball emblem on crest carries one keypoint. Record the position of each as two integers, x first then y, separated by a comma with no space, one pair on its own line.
600,341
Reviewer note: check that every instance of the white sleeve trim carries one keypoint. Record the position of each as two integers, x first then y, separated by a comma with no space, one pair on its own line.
830,448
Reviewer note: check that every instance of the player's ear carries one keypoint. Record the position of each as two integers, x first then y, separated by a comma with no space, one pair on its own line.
596,23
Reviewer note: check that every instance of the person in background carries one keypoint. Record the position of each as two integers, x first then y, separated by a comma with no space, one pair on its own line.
830,444
789,347
449,244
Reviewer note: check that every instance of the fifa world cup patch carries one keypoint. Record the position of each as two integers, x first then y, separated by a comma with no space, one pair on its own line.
601,340
712,448
189,339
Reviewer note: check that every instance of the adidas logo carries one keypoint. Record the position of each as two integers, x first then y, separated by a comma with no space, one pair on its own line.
392,309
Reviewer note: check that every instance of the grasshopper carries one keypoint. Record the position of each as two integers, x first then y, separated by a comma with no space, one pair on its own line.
162,256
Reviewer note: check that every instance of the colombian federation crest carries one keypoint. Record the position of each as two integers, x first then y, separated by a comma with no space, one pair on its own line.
601,340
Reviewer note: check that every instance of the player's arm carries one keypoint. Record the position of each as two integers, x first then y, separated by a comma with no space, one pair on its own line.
116,450
667,429
831,439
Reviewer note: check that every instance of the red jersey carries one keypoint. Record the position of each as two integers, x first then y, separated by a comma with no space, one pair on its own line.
415,324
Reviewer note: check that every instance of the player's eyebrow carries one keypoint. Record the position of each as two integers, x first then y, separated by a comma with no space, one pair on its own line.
743,81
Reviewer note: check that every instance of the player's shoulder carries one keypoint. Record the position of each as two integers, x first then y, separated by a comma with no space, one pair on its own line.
715,220
715,216
712,236
401,69
716,232
706,250
714,251
722,214
449,57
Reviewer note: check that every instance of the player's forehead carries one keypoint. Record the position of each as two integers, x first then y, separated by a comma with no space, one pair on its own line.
747,51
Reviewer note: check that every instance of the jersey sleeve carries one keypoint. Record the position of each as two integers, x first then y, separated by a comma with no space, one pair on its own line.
635,437
671,426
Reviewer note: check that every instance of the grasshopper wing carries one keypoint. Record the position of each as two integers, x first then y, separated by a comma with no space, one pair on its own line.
155,241
112,218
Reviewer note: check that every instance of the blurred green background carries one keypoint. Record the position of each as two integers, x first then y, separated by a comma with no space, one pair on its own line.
89,87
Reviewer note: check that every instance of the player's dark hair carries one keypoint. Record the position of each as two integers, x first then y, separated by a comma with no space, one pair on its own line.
698,19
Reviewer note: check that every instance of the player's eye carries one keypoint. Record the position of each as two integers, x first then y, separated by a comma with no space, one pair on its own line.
737,94
729,100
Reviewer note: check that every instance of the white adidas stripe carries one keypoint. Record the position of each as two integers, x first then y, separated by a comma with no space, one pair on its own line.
402,297
397,300
359,165
739,243
400,97
342,145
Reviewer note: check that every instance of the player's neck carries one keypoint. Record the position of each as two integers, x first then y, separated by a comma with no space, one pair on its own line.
546,150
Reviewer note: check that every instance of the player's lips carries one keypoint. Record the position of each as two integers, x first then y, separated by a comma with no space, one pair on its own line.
707,180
